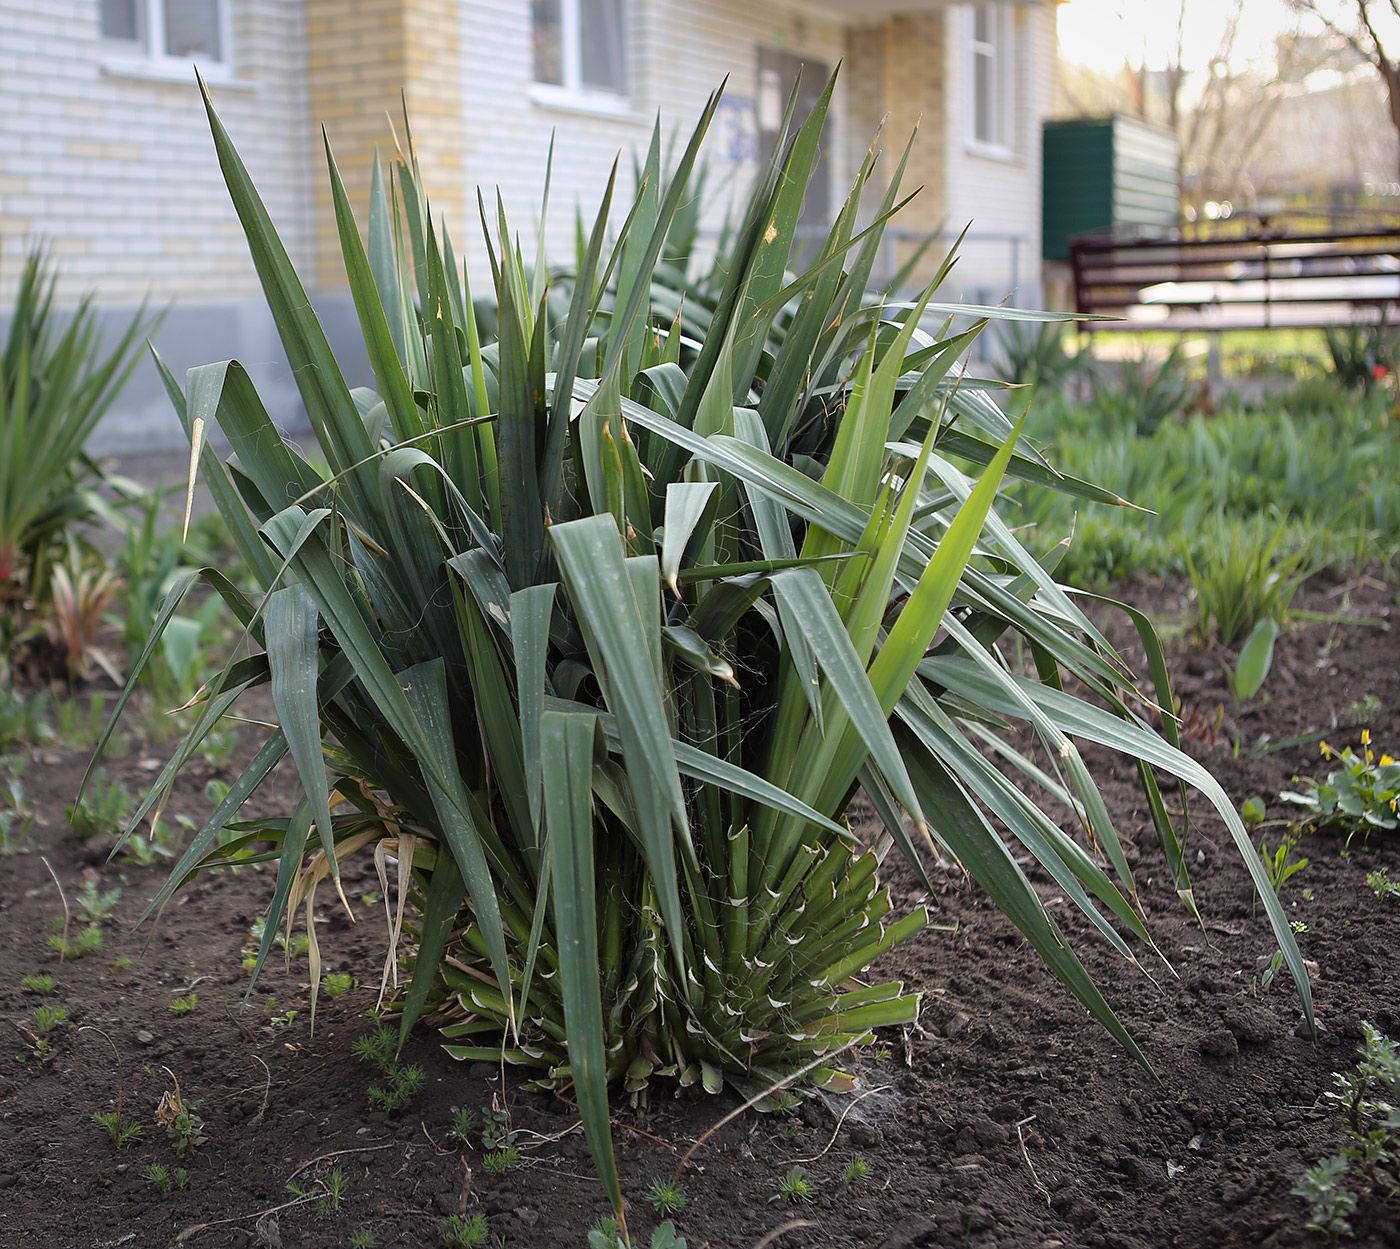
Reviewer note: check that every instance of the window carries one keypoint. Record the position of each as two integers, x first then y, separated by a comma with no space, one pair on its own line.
991,111
579,45
168,30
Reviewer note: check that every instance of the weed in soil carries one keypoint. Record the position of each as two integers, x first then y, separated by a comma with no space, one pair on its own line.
463,1231
665,1196
1369,1163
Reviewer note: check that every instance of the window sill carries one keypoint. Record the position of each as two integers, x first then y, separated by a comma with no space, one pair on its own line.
992,151
173,70
585,103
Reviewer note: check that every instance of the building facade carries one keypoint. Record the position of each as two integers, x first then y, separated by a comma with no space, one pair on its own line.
105,153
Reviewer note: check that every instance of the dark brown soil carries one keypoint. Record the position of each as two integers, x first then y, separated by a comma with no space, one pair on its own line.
1006,1118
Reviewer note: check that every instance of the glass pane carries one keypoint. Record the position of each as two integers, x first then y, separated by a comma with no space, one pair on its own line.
601,63
981,24
982,82
192,29
121,19
549,42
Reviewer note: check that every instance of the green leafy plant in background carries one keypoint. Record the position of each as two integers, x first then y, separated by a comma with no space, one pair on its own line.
1033,354
1141,394
1368,1098
1331,475
1362,355
17,812
1361,796
708,571
1241,579
56,382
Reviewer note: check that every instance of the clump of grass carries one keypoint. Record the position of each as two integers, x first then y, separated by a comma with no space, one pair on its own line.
665,1196
94,906
463,1231
462,1124
795,1188
42,982
103,808
856,1171
337,983
121,1132
500,1161
400,1082
47,1018
75,945
164,1181
184,1005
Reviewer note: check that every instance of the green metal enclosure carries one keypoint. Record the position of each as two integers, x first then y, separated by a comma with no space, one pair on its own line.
1114,171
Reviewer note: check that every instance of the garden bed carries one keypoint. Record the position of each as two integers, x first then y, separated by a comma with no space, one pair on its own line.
1006,1118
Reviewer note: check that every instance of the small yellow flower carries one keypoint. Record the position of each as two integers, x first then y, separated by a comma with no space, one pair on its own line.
1326,750
1365,737
1386,761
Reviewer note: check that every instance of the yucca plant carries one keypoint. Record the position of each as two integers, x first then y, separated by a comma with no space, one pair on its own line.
56,382
596,629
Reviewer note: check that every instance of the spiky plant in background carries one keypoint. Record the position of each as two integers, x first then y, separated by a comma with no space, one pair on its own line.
600,625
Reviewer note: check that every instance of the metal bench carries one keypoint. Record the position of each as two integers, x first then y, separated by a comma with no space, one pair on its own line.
1262,276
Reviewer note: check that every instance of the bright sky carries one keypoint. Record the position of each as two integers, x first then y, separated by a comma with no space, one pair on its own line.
1105,33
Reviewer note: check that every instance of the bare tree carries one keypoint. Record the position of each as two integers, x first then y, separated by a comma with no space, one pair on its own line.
1363,35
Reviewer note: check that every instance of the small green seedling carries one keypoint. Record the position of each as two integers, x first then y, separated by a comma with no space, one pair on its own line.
1381,884
95,906
402,1084
1280,863
376,1048
122,1133
463,1231
1252,811
47,1018
462,1125
1370,1161
41,983
337,983
75,945
500,1161
856,1171
364,1238
606,1233
164,1181
184,1005
794,1188
665,1196
325,1195
182,1125
495,1129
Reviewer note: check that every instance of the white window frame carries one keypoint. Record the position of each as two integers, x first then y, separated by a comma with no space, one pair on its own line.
147,57
572,94
1000,53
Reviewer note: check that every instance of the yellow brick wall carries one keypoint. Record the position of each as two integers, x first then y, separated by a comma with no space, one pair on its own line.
895,71
365,57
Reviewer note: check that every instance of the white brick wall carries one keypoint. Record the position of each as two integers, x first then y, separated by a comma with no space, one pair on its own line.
118,172
681,52
999,195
